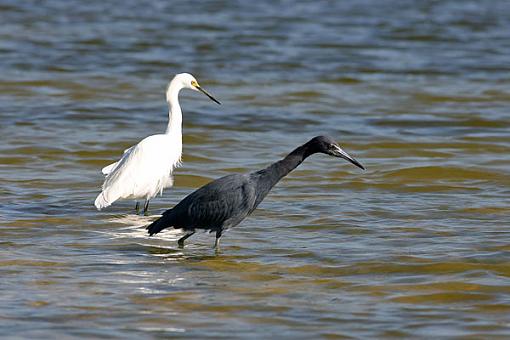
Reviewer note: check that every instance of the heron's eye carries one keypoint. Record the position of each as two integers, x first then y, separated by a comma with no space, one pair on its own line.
194,83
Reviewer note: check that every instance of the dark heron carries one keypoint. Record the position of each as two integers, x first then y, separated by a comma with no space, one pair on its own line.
225,202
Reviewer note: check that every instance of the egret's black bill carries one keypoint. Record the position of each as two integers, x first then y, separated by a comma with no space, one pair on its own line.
338,152
208,95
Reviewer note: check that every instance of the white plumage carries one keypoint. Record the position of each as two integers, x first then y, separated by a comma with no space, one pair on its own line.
145,169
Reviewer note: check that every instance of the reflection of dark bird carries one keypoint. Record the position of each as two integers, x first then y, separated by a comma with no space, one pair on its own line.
225,202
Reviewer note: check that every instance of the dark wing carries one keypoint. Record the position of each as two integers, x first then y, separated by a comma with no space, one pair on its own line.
223,202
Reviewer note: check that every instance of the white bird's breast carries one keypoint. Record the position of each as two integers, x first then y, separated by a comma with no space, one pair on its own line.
161,149
161,154
146,169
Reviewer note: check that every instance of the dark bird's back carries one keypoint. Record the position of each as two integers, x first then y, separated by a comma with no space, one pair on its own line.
217,205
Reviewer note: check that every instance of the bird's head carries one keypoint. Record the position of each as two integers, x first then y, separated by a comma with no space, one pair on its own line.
187,81
327,145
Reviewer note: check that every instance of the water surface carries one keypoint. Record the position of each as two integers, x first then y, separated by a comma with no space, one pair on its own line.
416,246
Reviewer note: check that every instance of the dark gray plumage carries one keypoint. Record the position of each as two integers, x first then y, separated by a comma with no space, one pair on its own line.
225,202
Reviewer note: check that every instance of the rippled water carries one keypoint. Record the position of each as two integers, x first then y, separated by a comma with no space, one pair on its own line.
416,246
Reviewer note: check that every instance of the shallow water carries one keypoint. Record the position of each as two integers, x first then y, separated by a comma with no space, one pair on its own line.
416,246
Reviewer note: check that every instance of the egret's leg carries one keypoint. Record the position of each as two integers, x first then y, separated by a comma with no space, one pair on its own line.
182,239
217,241
137,207
146,207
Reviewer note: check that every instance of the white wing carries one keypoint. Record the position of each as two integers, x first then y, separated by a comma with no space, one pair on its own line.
143,171
109,168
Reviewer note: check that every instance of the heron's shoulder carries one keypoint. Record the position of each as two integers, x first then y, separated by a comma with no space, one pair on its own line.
226,185
233,179
152,140
223,189
217,198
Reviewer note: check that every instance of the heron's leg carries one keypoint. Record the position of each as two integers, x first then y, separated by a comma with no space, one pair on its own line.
217,241
146,207
137,207
182,239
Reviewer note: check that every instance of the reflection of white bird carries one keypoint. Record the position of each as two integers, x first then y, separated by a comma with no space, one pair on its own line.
145,169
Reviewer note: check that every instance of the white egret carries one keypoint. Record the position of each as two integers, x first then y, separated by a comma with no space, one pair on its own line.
145,169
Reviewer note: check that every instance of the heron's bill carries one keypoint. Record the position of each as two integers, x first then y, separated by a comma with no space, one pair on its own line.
338,152
207,94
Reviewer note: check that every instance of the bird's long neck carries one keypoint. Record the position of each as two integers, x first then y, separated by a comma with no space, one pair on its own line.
271,175
174,109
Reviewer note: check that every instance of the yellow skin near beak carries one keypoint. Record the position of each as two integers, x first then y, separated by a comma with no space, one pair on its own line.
195,85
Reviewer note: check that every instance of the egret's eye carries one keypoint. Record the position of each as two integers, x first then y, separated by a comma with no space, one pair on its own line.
194,84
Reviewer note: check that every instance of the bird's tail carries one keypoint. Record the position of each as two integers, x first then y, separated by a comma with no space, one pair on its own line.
101,201
158,225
